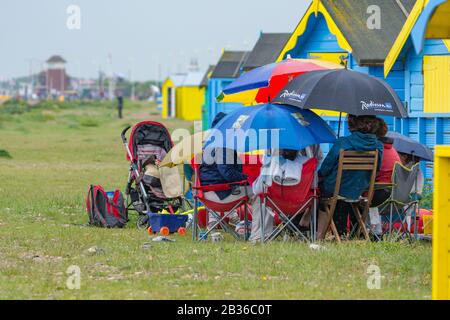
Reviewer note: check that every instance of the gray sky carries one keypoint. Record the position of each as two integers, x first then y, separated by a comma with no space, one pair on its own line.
139,34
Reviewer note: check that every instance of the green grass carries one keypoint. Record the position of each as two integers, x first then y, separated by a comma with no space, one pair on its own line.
56,152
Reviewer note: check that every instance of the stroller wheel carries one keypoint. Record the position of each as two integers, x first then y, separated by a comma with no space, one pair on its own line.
142,222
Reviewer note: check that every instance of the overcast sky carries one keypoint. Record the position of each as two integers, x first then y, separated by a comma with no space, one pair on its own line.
139,35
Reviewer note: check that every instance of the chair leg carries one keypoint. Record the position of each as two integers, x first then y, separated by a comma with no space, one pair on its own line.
325,225
195,221
221,221
246,233
335,232
362,224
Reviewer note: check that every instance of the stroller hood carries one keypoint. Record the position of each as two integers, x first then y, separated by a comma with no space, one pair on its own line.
149,132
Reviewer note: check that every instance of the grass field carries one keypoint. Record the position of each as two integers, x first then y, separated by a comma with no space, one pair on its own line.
49,157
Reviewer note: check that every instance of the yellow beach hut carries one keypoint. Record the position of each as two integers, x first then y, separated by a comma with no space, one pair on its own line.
169,97
183,96
190,97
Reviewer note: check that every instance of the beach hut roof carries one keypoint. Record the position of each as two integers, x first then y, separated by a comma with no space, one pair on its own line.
230,64
193,79
177,79
266,50
370,47
206,76
350,21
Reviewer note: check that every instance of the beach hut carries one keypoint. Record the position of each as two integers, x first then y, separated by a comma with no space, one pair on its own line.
190,97
169,97
204,85
183,97
404,42
227,69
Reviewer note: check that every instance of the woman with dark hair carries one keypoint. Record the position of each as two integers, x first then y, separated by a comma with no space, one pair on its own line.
384,176
390,157
353,183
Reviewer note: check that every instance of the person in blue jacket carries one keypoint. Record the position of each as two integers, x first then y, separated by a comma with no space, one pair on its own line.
353,183
223,166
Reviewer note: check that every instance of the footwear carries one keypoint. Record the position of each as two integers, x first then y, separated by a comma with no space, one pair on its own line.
240,227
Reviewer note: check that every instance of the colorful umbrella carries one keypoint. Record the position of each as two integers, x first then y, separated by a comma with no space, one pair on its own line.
262,84
269,126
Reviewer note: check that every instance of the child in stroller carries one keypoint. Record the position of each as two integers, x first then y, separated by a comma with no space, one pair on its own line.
151,189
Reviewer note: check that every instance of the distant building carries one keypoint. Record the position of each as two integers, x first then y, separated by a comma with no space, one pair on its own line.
53,80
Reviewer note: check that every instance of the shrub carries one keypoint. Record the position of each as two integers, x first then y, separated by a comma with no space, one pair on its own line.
4,154
14,107
88,122
427,200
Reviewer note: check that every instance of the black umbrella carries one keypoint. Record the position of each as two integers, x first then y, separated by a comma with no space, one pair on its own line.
344,91
407,145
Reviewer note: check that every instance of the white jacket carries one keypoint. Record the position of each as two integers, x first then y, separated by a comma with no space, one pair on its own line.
280,170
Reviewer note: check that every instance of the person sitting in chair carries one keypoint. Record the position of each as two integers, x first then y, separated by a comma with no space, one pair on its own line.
354,183
409,161
384,177
223,166
283,167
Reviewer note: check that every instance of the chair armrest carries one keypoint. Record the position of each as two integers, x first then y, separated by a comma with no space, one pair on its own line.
221,187
383,185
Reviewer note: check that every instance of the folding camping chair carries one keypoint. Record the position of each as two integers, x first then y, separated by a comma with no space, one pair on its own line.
289,202
402,201
353,161
222,211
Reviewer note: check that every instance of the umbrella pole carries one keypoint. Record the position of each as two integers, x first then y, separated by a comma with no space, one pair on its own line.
339,125
417,206
314,210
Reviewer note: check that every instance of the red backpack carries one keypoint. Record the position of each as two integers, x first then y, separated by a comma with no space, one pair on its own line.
106,209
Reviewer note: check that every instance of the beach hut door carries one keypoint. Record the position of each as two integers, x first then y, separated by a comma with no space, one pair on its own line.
171,102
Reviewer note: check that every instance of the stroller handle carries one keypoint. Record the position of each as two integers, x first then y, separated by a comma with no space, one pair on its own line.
124,131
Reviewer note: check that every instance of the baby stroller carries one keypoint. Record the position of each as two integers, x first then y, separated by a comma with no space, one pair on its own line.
148,144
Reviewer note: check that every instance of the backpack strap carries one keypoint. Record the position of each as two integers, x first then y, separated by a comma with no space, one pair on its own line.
97,212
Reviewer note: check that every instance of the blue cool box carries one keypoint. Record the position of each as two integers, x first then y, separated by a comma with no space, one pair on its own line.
171,221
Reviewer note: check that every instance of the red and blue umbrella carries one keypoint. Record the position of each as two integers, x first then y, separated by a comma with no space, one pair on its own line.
262,84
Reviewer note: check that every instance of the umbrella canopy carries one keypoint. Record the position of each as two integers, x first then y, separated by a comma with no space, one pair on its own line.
269,126
344,91
410,146
262,84
184,151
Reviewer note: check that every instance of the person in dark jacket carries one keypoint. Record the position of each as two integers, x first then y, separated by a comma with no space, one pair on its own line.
223,166
120,104
353,183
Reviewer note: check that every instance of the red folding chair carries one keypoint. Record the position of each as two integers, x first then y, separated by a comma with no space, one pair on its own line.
222,211
288,202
